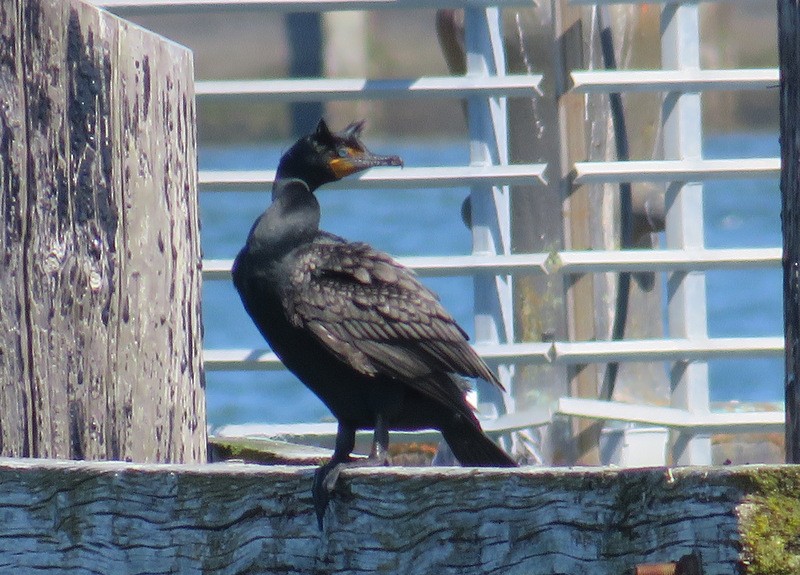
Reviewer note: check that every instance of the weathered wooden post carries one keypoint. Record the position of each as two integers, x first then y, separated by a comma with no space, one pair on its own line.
100,335
789,55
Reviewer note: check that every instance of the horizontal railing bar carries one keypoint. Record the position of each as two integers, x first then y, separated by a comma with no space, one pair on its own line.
326,431
533,417
265,360
614,2
330,89
513,174
531,353
321,433
140,6
709,422
428,266
389,178
567,353
576,262
665,349
664,260
241,360
148,6
597,81
675,170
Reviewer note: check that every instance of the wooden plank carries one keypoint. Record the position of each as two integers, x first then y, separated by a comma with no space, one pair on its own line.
106,517
100,289
579,205
536,223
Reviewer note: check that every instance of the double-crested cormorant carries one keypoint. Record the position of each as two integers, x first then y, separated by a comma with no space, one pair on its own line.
356,327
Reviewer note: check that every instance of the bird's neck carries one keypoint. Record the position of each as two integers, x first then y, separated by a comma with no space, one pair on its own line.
291,168
290,221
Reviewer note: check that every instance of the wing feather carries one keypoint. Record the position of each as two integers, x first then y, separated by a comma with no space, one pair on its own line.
374,314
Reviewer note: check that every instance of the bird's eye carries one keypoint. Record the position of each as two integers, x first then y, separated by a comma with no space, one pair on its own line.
343,153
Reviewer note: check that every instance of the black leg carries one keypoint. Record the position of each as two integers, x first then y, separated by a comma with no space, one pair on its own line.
325,477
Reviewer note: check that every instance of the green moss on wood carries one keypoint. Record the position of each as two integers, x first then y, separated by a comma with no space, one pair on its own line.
770,520
771,535
766,479
267,451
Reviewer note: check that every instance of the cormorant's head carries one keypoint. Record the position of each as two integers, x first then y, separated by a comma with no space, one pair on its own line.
326,156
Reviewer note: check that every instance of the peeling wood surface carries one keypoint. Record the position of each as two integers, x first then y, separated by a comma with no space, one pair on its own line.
110,517
100,339
789,57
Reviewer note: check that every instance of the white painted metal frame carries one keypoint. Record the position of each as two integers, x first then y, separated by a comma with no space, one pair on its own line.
580,262
686,291
684,169
485,87
682,80
487,120
328,89
139,6
388,178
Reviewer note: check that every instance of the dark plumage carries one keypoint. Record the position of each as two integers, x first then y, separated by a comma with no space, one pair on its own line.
356,327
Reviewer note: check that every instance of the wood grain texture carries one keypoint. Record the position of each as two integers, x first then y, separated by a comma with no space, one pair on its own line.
101,282
15,394
579,205
102,517
789,56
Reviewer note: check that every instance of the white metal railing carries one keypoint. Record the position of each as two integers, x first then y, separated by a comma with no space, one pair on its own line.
686,80
565,353
579,262
487,121
485,87
686,291
328,89
124,7
687,170
139,6
388,178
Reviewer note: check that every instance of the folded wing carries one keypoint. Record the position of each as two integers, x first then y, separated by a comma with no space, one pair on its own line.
375,315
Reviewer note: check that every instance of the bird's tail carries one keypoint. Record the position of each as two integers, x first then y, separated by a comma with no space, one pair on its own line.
473,448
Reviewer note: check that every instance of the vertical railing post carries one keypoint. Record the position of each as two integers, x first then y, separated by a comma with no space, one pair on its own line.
487,120
680,49
305,43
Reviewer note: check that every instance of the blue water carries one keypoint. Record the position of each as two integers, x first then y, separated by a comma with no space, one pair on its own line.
738,213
